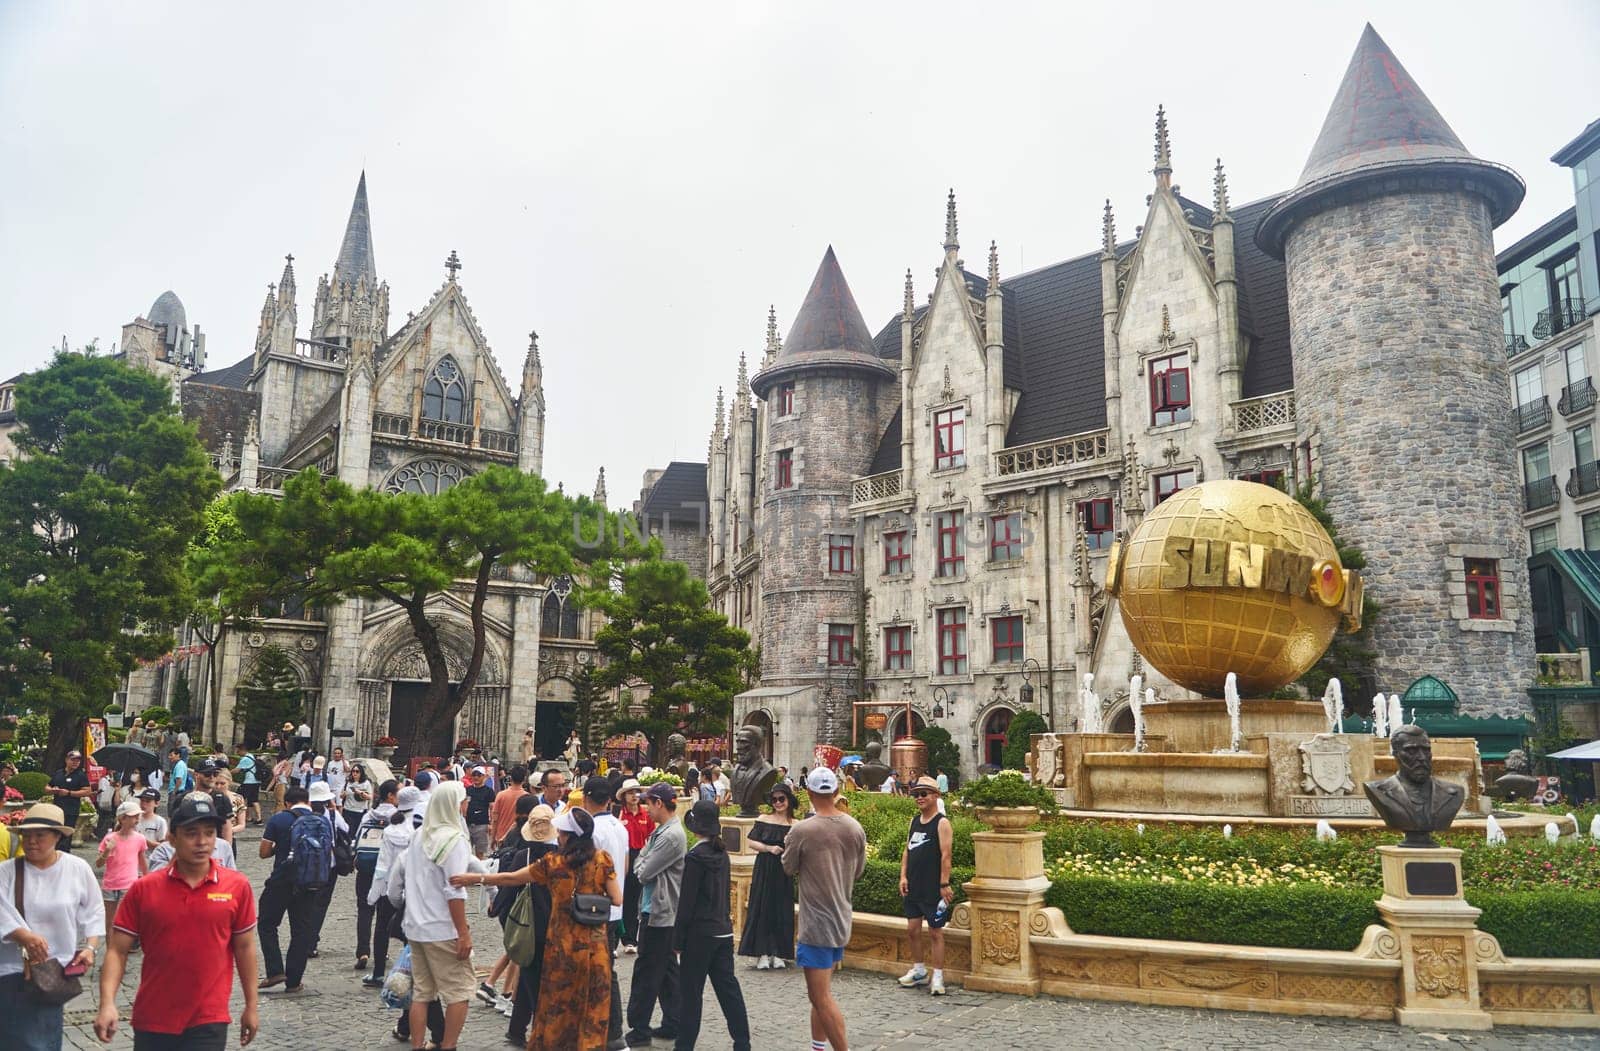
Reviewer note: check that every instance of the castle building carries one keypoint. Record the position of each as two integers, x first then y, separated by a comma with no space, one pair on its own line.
914,524
415,408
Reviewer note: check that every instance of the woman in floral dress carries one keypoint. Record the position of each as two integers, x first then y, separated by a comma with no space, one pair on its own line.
575,987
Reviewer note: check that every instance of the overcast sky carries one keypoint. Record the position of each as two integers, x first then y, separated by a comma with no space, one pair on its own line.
637,182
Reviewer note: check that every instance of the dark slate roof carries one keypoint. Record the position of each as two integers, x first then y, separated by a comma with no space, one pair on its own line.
1563,224
828,330
1263,307
1380,122
217,411
887,458
235,375
680,493
321,421
355,253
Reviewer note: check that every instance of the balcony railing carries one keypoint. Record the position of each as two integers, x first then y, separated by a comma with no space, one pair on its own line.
271,479
1258,414
875,487
1576,397
442,431
1057,452
1533,415
1540,494
1585,479
1563,315
1516,345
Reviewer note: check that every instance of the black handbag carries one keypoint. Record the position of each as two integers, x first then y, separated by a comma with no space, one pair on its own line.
46,982
591,910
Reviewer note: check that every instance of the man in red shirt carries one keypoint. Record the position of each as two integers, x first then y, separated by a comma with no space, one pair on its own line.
190,917
503,811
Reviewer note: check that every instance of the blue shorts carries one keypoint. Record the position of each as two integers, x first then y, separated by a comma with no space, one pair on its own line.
818,957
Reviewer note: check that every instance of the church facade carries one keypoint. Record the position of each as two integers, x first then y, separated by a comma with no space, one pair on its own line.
914,523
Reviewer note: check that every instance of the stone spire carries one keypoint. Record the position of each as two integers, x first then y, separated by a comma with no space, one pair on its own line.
952,243
741,389
600,488
1108,232
355,251
908,309
286,282
718,430
1163,168
774,345
994,268
1219,197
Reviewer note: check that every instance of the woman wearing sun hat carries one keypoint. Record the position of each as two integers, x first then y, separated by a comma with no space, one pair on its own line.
636,819
61,910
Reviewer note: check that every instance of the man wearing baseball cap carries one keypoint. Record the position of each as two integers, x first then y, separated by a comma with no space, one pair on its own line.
925,883
70,786
828,851
189,918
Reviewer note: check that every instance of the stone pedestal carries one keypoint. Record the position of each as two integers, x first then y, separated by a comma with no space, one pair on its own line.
742,868
1005,899
1440,944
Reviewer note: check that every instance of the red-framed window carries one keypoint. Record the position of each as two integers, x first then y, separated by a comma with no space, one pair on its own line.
841,553
1172,482
1169,390
1483,589
949,438
841,643
1272,477
785,469
786,400
1007,635
952,641
952,555
897,648
1005,537
1097,522
897,552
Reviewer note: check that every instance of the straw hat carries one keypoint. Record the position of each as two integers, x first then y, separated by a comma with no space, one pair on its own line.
44,816
540,826
628,785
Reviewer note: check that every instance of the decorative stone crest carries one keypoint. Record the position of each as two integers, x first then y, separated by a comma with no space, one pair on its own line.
1325,760
308,642
1047,761
999,938
949,389
1441,971
256,639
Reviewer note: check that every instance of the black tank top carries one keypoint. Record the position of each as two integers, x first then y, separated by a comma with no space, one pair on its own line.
922,859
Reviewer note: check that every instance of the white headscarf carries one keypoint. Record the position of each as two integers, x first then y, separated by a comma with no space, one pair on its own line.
443,824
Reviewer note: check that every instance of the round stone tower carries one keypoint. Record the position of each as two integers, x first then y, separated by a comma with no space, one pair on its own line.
1400,380
824,395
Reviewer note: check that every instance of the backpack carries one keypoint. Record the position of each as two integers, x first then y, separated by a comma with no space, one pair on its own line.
310,861
521,939
344,855
369,841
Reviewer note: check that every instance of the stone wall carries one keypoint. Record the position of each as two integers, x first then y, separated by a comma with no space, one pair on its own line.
1400,360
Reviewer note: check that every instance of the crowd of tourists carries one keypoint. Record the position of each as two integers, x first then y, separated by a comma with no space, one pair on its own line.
578,863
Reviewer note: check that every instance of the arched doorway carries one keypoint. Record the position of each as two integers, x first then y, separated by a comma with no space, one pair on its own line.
760,717
897,725
1122,722
555,714
994,735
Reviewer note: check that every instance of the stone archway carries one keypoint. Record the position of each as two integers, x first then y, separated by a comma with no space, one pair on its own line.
555,715
393,681
992,737
763,719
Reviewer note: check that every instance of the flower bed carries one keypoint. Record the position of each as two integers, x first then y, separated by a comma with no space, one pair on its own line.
1262,886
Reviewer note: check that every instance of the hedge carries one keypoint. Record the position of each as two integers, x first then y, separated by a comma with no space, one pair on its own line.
31,784
1558,923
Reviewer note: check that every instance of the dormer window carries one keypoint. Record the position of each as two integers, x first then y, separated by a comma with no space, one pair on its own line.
444,395
1169,390
949,438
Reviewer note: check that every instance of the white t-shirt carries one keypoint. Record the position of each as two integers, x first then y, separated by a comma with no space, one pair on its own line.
428,892
152,828
611,836
155,780
62,903
337,771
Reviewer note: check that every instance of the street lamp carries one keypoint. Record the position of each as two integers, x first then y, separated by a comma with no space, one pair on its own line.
1026,692
940,695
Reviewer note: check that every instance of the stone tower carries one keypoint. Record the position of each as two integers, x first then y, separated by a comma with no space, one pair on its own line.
1402,394
825,392
353,303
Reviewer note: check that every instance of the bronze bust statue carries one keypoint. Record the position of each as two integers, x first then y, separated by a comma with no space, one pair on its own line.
1413,800
676,761
1517,783
872,773
753,777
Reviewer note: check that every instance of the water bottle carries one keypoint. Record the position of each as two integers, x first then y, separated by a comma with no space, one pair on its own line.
940,912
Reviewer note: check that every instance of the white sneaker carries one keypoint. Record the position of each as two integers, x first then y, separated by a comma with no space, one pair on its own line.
778,964
938,985
505,1005
914,977
763,964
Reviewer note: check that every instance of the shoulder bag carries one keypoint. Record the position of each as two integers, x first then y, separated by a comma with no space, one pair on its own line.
590,910
45,982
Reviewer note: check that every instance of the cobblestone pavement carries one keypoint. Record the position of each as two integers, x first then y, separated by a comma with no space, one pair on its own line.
337,1013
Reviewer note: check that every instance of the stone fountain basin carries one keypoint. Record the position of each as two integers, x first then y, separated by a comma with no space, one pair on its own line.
1167,783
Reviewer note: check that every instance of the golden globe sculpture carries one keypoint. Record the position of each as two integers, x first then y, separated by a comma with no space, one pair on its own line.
1232,576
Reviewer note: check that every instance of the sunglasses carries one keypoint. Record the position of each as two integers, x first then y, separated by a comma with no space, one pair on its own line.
921,792
775,800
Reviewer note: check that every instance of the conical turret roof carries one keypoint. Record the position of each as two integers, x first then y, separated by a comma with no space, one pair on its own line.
828,331
355,252
1381,124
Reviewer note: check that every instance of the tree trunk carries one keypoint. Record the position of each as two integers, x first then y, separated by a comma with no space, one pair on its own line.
445,700
66,733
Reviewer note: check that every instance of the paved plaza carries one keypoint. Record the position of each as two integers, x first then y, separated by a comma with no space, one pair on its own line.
336,1012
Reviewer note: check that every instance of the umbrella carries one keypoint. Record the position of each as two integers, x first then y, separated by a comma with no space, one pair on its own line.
377,770
125,757
1590,751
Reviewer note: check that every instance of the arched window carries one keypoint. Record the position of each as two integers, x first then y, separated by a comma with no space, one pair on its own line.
428,477
994,735
550,618
571,620
444,396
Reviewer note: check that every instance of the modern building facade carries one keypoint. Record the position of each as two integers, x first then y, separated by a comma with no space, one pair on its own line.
916,521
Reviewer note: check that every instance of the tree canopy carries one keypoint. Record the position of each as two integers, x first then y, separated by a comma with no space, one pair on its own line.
662,632
95,515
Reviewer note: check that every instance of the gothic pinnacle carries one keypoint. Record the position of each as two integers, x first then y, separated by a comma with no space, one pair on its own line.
742,390
909,310
533,347
773,344
1108,231
994,267
1163,147
952,243
1219,200
718,428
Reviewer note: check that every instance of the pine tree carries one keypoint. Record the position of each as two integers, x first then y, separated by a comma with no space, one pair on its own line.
270,696
1348,658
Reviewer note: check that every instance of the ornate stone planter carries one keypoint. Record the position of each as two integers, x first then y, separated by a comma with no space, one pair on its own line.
1009,819
384,751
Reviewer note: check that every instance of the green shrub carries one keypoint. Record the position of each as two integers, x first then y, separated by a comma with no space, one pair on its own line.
878,889
1007,788
1019,736
1550,923
1295,917
942,752
159,714
31,784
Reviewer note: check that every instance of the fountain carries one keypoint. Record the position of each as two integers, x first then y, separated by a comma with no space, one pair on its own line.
1230,590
